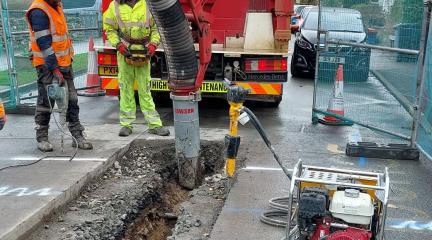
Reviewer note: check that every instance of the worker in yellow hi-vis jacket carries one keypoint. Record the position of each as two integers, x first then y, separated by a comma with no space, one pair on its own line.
131,29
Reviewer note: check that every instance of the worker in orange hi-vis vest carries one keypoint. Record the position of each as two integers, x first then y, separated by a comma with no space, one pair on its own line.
2,115
52,55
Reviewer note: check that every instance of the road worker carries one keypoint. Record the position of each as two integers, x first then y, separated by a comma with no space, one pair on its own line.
52,53
130,28
2,115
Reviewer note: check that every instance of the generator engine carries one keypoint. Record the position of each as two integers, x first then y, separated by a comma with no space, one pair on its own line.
346,215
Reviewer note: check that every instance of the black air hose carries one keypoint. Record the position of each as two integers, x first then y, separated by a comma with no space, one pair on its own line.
177,42
263,134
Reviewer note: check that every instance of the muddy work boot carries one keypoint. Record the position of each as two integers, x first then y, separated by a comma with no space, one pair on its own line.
125,131
45,146
160,131
83,143
43,143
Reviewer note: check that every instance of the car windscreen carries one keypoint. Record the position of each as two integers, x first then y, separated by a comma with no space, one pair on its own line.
298,9
337,21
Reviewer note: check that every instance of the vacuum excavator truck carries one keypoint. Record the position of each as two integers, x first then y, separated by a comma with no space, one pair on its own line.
249,47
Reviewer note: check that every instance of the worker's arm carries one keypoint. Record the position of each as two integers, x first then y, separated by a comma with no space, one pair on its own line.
154,34
110,26
2,116
40,24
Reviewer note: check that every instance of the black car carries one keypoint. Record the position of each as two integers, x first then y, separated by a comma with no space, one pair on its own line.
340,24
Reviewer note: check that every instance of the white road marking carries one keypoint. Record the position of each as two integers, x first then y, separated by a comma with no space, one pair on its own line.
252,168
57,159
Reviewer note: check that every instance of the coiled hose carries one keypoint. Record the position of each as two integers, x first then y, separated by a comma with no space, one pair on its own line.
278,214
177,42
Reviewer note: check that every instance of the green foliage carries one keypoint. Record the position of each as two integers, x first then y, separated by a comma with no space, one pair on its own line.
27,74
372,15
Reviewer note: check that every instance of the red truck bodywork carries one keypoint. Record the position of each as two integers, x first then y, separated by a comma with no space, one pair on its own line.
228,19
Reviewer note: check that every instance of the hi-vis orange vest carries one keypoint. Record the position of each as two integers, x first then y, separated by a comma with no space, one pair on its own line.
61,43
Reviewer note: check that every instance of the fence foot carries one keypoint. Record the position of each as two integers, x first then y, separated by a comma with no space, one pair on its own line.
389,151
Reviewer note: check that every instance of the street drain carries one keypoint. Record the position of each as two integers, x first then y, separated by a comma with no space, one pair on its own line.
138,198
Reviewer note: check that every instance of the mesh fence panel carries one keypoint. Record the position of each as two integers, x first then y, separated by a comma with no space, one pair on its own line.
82,25
424,136
379,86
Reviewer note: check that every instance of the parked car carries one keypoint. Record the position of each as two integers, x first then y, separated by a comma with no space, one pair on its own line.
340,24
300,13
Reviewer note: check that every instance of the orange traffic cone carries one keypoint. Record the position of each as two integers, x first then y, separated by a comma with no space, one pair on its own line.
336,103
93,78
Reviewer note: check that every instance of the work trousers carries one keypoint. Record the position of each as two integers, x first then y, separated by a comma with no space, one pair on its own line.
127,76
43,107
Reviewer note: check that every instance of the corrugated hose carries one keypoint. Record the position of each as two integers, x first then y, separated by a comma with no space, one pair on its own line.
177,42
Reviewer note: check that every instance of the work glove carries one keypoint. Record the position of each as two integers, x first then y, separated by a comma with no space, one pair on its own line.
123,49
58,76
151,49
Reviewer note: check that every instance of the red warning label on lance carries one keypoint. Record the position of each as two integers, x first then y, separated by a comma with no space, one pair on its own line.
184,110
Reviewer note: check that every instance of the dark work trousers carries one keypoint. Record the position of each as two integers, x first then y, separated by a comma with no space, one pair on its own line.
43,113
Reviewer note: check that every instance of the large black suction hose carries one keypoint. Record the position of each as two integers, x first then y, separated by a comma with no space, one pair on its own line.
260,129
177,42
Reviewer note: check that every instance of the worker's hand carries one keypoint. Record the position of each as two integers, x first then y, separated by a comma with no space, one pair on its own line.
58,76
151,49
123,49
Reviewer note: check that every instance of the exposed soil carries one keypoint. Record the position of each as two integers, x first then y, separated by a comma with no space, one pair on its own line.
138,198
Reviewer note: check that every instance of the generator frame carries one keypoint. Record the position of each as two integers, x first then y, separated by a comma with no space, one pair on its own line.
335,178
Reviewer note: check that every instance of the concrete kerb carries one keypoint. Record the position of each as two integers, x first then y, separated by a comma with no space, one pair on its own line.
22,231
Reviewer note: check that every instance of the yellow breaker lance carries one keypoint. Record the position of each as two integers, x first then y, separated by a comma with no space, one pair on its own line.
236,97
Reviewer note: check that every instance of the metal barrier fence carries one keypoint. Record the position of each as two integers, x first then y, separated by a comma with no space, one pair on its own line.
379,44
424,123
18,79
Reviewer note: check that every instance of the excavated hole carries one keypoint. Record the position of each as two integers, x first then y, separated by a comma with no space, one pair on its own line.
138,198
157,218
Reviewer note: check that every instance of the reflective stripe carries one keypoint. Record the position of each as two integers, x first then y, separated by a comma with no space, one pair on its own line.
151,114
117,13
128,114
50,51
135,24
130,24
55,38
47,52
42,33
148,16
152,120
111,22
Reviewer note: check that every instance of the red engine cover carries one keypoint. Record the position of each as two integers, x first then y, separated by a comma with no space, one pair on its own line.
350,234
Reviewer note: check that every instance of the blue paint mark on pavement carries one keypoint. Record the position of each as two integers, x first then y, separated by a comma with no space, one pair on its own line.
362,162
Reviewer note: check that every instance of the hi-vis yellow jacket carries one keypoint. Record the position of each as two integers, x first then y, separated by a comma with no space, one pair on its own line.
133,23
